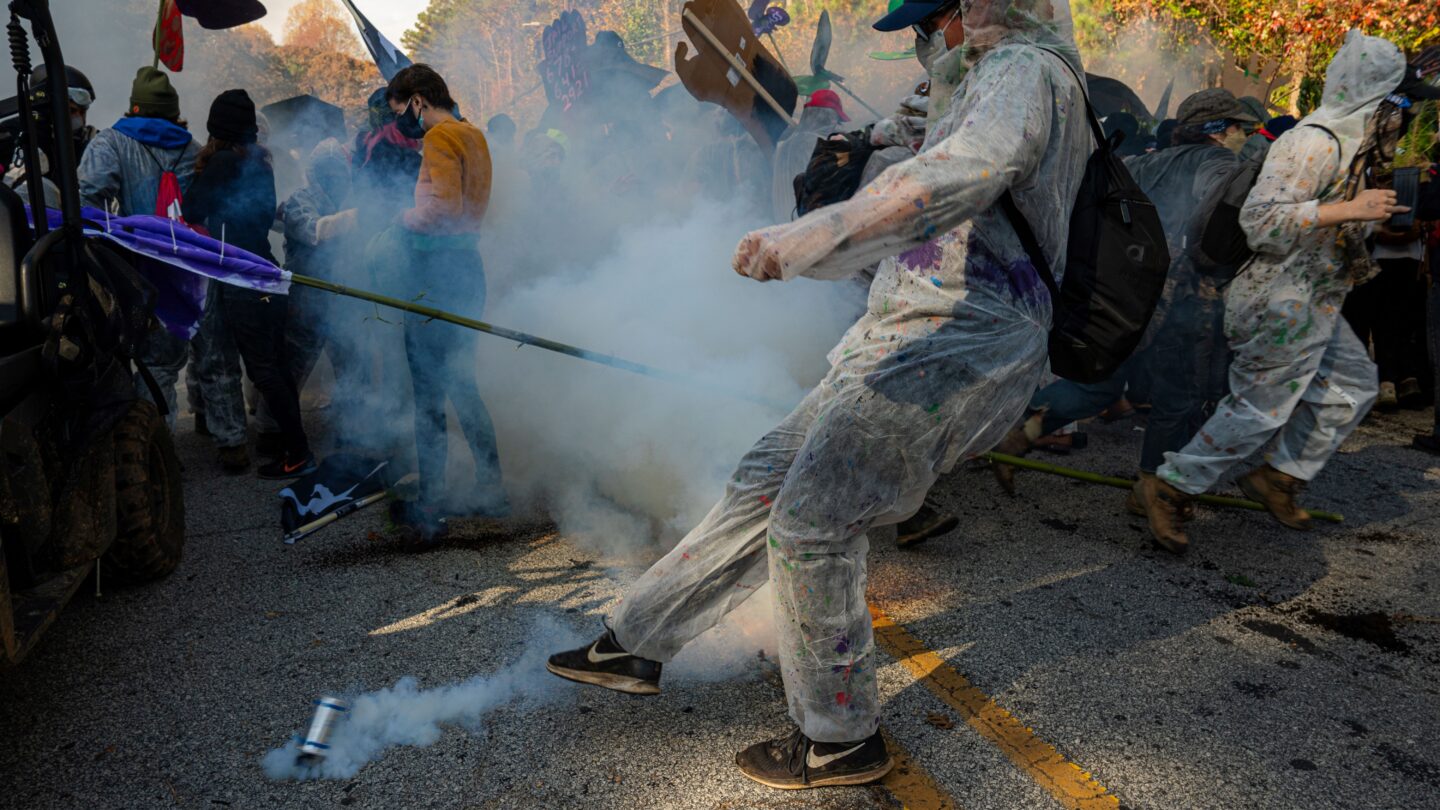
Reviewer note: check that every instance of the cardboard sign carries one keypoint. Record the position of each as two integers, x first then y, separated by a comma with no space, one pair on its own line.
711,76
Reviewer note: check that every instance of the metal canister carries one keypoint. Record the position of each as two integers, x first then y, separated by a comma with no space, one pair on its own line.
329,710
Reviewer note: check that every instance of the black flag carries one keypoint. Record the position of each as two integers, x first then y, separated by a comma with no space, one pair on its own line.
340,485
388,58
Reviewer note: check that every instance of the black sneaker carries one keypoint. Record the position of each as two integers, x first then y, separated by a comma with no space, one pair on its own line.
286,469
796,762
605,663
927,523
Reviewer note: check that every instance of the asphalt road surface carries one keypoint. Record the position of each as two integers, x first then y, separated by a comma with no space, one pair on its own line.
1041,656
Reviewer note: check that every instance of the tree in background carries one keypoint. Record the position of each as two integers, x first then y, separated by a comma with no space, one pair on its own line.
1291,38
323,56
322,25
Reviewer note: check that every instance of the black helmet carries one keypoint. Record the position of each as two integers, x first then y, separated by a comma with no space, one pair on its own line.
82,92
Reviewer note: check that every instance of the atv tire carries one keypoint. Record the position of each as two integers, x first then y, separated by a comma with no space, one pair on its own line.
149,499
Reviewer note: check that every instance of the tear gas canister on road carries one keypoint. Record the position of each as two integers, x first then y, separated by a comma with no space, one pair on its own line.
329,711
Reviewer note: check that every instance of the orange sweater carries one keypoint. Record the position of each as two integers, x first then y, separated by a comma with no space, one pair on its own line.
454,185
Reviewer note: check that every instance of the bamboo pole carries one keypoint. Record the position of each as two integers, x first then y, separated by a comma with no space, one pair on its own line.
1126,483
526,339
739,67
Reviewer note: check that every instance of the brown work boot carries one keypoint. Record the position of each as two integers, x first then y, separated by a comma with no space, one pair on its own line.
1276,491
1162,504
1017,442
1135,507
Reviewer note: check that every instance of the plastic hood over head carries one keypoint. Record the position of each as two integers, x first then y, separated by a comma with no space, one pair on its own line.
1361,75
990,24
328,168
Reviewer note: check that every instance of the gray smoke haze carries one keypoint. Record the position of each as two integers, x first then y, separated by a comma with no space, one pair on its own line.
407,715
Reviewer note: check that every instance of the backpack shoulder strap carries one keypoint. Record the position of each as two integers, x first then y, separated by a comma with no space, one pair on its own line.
1095,127
1339,151
1030,243
161,166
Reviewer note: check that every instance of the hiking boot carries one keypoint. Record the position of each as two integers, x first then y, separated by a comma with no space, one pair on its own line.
1161,504
270,445
201,428
1135,507
1276,491
287,468
234,460
930,521
605,663
1389,400
1410,396
1016,443
1427,442
796,762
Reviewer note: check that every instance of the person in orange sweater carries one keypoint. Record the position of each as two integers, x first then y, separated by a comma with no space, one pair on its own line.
442,235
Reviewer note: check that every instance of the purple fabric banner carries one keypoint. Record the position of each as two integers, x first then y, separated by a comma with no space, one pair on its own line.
181,263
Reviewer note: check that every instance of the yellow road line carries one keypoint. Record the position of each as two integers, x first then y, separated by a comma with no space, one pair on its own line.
1074,788
910,784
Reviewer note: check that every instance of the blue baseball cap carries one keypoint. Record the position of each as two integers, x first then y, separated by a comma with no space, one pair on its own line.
909,13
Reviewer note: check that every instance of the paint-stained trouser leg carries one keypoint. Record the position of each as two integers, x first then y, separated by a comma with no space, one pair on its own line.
856,465
1324,372
721,562
1334,404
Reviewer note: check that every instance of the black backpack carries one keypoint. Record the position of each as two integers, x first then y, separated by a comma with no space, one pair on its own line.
1115,266
1218,246
835,170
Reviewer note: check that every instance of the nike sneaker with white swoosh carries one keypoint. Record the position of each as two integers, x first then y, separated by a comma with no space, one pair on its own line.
605,663
796,762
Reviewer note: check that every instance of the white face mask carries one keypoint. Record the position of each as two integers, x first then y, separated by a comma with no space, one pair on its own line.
929,48
77,123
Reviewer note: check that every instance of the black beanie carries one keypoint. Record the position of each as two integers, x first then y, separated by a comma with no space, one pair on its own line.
232,118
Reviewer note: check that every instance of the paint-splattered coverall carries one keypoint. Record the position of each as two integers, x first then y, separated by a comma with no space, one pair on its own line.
1300,375
942,364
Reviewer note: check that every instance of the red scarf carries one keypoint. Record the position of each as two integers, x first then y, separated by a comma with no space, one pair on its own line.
390,133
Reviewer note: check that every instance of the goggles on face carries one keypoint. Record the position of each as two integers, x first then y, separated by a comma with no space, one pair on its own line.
1215,127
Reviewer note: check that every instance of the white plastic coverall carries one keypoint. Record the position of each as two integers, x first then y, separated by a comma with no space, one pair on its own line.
1300,374
942,364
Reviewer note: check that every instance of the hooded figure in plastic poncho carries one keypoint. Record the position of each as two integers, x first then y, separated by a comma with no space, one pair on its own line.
942,364
1300,376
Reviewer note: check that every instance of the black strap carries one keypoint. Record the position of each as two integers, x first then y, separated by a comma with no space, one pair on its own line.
1084,93
1030,243
156,394
161,166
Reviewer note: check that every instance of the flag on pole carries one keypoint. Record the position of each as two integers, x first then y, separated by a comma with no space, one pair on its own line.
180,263
342,484
388,58
169,36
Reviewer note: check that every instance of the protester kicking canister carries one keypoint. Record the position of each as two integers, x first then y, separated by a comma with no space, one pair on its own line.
943,363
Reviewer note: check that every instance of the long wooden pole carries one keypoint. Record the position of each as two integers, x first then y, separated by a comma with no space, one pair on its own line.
526,339
1125,483
847,92
739,67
